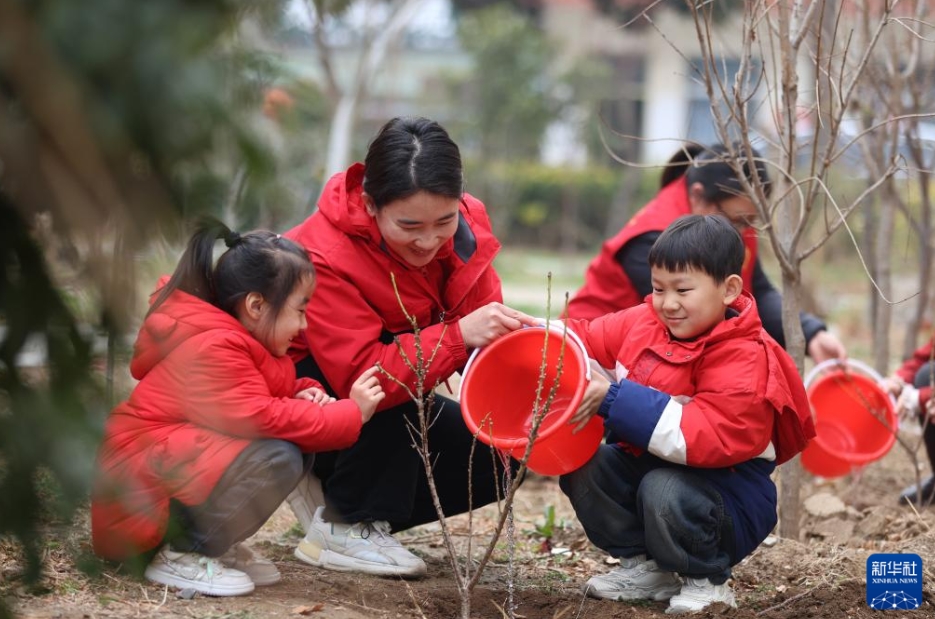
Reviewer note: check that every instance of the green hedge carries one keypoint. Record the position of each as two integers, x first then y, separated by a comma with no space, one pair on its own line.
562,208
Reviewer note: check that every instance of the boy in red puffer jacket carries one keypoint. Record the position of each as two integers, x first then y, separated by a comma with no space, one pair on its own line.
705,406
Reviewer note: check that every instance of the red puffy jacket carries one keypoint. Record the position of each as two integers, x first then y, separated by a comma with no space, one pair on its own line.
356,310
207,388
746,392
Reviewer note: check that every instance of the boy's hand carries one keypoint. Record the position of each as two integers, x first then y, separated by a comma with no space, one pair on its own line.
594,394
316,395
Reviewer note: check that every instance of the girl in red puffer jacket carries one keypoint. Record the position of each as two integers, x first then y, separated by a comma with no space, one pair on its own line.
218,430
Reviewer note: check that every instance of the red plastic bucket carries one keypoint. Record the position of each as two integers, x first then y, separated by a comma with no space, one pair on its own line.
498,392
855,419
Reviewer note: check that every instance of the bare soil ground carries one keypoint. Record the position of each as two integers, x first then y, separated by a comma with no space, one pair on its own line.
821,575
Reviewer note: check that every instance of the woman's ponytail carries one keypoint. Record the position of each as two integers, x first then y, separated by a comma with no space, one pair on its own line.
679,163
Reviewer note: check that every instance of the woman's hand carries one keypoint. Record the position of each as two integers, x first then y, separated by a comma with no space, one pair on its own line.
825,345
316,395
594,394
367,392
487,323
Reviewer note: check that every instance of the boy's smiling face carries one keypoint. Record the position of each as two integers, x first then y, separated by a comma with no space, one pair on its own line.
689,302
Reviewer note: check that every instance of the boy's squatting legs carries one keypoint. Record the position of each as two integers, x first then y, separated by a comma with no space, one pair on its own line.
633,506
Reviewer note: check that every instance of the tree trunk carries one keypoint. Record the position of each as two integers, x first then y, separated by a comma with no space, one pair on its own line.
340,134
882,318
372,59
790,474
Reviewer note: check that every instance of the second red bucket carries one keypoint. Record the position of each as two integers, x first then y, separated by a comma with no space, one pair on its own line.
498,393
855,419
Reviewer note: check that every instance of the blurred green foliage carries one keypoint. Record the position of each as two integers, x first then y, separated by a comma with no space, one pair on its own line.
511,106
117,119
562,208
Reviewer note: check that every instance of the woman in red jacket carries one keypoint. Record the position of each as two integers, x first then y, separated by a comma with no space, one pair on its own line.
213,437
912,383
698,181
393,238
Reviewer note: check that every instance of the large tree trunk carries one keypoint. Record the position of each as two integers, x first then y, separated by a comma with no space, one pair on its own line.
372,59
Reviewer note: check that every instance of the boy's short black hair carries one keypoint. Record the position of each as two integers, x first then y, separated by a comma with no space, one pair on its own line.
707,243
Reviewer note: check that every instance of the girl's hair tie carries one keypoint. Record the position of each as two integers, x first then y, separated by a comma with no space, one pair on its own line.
231,238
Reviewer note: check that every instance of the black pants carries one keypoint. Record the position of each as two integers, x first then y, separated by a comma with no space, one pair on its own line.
248,493
381,477
923,378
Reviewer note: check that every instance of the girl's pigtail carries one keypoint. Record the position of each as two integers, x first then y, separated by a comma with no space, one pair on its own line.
195,271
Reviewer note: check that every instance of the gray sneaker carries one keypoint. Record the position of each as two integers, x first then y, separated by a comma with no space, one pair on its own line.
365,547
699,593
189,570
636,579
261,570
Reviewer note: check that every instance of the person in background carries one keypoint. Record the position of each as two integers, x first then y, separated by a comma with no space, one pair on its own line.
911,383
696,180
397,237
218,430
704,407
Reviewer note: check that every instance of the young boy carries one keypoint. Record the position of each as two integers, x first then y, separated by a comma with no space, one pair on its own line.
706,406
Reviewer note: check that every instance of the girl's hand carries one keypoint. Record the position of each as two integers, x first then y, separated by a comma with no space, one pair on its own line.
487,323
594,394
367,392
316,395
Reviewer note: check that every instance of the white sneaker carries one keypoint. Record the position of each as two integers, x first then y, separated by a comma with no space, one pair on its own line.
305,498
636,579
362,547
189,570
699,593
260,569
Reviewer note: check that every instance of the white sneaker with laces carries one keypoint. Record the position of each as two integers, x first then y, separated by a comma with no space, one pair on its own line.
260,569
362,547
636,579
189,570
699,593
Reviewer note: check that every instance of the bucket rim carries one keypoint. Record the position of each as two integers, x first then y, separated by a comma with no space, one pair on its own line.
551,331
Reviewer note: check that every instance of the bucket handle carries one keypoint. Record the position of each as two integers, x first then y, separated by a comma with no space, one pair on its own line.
859,365
553,325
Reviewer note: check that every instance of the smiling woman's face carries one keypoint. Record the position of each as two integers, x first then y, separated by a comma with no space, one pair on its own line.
416,227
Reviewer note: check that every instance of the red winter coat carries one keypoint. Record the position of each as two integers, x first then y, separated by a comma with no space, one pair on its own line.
747,398
355,309
207,389
748,407
606,286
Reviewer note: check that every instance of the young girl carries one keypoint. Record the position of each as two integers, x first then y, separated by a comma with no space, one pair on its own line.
214,436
